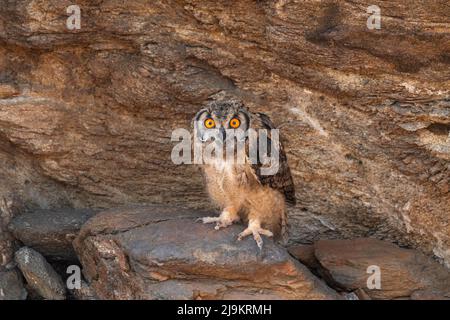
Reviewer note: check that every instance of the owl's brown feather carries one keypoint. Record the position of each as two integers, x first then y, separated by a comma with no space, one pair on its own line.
282,180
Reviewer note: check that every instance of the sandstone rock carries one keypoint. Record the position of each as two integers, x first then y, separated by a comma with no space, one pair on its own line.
430,295
162,253
365,113
305,254
362,295
8,90
405,273
39,274
50,232
11,286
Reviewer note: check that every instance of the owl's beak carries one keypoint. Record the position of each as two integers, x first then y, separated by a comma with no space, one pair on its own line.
223,133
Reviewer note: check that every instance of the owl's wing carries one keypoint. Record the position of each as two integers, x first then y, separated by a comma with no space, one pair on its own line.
282,180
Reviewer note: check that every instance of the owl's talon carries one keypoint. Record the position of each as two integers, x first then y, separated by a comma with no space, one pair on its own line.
208,219
257,231
222,221
244,233
259,241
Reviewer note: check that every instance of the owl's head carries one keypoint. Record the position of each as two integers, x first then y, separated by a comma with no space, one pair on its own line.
219,116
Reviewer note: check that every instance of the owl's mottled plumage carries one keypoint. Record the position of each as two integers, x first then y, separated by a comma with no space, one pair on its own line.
241,190
282,180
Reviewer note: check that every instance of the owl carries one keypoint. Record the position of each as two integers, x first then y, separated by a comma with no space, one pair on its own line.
240,189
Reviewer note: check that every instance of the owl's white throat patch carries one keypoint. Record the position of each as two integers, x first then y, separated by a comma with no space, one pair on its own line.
224,165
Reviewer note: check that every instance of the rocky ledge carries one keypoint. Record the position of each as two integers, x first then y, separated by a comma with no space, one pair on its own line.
161,252
353,266
50,232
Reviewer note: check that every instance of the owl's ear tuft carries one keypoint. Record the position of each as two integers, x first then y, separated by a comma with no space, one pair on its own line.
246,115
197,116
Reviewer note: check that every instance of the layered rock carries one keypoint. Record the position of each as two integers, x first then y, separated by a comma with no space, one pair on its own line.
9,207
163,253
50,232
86,115
376,269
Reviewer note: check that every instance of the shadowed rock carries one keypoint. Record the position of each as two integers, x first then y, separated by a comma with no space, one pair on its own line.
11,286
50,232
305,254
39,274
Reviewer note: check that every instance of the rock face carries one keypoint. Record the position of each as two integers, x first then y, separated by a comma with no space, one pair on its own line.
11,286
404,273
39,274
8,209
162,253
86,115
50,232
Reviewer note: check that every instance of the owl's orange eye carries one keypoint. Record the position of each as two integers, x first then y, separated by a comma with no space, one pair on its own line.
235,123
209,123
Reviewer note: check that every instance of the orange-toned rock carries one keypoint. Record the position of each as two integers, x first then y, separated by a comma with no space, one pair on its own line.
8,90
305,254
404,273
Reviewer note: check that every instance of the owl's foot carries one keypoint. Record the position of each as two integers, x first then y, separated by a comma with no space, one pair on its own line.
226,218
255,229
208,219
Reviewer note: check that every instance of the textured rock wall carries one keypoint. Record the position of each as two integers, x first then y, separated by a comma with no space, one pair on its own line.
86,115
